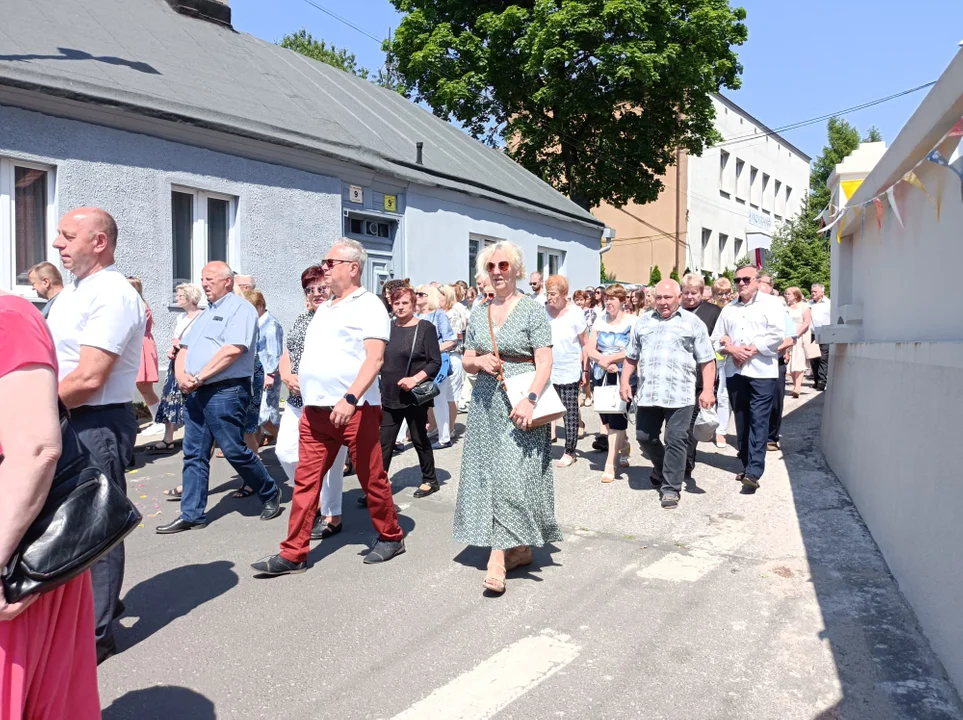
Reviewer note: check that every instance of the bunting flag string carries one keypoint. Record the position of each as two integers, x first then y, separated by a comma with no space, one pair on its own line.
879,212
891,196
955,166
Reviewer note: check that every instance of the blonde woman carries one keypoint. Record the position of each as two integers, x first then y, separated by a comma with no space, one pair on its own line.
458,316
569,335
649,298
506,494
428,307
802,318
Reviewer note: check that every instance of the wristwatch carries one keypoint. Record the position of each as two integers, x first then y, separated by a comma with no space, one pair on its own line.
532,398
351,399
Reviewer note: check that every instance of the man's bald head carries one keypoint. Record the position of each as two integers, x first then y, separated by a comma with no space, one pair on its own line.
668,297
217,280
86,239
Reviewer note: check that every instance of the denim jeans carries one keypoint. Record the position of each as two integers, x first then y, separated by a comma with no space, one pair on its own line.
668,461
217,413
751,400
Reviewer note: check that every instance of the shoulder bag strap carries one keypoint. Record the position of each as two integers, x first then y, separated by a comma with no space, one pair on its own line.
412,353
491,329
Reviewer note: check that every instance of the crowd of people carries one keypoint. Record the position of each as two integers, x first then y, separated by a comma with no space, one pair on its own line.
365,375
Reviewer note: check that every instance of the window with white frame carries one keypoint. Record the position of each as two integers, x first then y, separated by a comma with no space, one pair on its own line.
737,249
27,221
706,237
202,230
475,244
550,261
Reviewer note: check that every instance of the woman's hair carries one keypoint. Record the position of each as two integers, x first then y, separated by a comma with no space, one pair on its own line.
311,275
256,298
400,291
434,297
511,250
191,292
638,299
578,295
649,297
460,287
137,285
720,291
471,291
558,283
796,292
616,291
448,297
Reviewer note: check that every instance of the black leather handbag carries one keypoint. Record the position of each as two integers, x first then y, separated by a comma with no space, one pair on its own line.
426,391
85,516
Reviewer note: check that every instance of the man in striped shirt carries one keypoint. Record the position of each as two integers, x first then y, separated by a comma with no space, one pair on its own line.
668,347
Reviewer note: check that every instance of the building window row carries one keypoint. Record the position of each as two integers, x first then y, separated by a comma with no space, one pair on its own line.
717,263
755,187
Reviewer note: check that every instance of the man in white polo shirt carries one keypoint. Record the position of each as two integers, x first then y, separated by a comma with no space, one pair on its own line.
343,353
822,317
749,332
98,327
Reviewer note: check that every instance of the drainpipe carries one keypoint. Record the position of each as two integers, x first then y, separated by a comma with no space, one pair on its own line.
678,210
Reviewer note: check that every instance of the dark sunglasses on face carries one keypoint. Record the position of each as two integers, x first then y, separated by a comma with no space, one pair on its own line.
490,295
314,289
503,266
421,294
329,264
744,280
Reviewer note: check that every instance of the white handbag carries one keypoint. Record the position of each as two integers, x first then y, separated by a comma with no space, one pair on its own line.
607,400
548,407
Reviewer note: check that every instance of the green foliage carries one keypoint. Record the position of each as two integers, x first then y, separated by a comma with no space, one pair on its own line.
604,277
744,260
799,254
593,96
873,134
674,275
655,276
707,277
843,138
303,42
729,274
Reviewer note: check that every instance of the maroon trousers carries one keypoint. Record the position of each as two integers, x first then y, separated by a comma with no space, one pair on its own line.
318,445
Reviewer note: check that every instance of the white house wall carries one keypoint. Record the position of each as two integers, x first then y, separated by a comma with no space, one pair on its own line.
891,423
286,218
709,207
438,224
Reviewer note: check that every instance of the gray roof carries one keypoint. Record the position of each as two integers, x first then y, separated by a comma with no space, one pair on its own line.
144,56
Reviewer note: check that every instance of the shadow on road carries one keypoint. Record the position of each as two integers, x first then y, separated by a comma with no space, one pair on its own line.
883,660
161,703
477,557
160,600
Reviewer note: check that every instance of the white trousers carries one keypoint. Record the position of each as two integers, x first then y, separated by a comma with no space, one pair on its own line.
286,449
457,377
722,399
442,416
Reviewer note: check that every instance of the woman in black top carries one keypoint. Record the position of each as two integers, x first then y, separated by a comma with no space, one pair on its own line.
411,357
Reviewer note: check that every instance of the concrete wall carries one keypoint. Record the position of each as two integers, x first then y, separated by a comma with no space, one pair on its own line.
645,235
438,224
710,208
891,426
285,219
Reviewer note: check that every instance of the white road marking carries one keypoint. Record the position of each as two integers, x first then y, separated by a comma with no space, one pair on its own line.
707,553
496,682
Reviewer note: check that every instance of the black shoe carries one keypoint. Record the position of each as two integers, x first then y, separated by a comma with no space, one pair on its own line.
179,525
323,530
750,482
601,443
106,650
384,550
670,501
432,489
272,508
363,501
276,565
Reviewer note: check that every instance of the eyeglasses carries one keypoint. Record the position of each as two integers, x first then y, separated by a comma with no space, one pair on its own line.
421,294
503,266
329,264
314,289
744,280
490,296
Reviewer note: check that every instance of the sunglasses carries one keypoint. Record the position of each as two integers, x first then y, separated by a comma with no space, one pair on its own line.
421,294
744,280
503,266
329,264
314,289
490,296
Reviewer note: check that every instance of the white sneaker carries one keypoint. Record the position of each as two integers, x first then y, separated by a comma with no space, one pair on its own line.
155,429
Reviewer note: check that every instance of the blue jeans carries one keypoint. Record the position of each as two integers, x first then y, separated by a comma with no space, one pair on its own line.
212,414
751,402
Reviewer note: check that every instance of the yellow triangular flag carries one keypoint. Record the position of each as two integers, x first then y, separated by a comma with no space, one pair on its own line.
850,187
913,180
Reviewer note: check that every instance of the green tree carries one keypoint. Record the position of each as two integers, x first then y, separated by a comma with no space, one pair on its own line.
842,139
799,254
593,96
655,276
674,275
873,134
729,274
303,42
603,275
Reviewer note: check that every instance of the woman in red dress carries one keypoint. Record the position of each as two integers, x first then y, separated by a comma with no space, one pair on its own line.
48,663
148,373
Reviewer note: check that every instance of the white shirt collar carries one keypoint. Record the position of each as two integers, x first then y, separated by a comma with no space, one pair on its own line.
109,268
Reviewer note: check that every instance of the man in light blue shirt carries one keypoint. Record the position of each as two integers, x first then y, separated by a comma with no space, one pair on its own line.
213,367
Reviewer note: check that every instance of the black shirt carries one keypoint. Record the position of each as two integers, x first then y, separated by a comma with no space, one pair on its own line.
709,314
426,357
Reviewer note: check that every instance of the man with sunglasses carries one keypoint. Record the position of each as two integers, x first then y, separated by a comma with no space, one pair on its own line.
748,333
343,353
538,288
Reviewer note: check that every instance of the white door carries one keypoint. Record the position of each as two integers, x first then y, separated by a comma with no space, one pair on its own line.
377,272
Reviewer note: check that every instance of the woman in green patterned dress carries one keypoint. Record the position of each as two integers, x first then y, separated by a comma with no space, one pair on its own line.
506,494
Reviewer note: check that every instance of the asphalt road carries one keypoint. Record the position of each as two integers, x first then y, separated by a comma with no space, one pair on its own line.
774,605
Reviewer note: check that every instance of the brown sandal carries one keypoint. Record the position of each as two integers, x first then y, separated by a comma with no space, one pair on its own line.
494,580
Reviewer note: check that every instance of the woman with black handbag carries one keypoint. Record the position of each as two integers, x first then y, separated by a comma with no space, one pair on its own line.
48,661
412,360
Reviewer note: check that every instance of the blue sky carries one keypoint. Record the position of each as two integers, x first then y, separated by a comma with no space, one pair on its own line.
802,59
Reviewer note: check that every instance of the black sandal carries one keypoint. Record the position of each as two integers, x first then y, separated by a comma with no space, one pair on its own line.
173,495
243,492
161,447
432,488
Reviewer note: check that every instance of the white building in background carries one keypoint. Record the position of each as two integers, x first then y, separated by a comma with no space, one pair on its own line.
891,422
740,190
